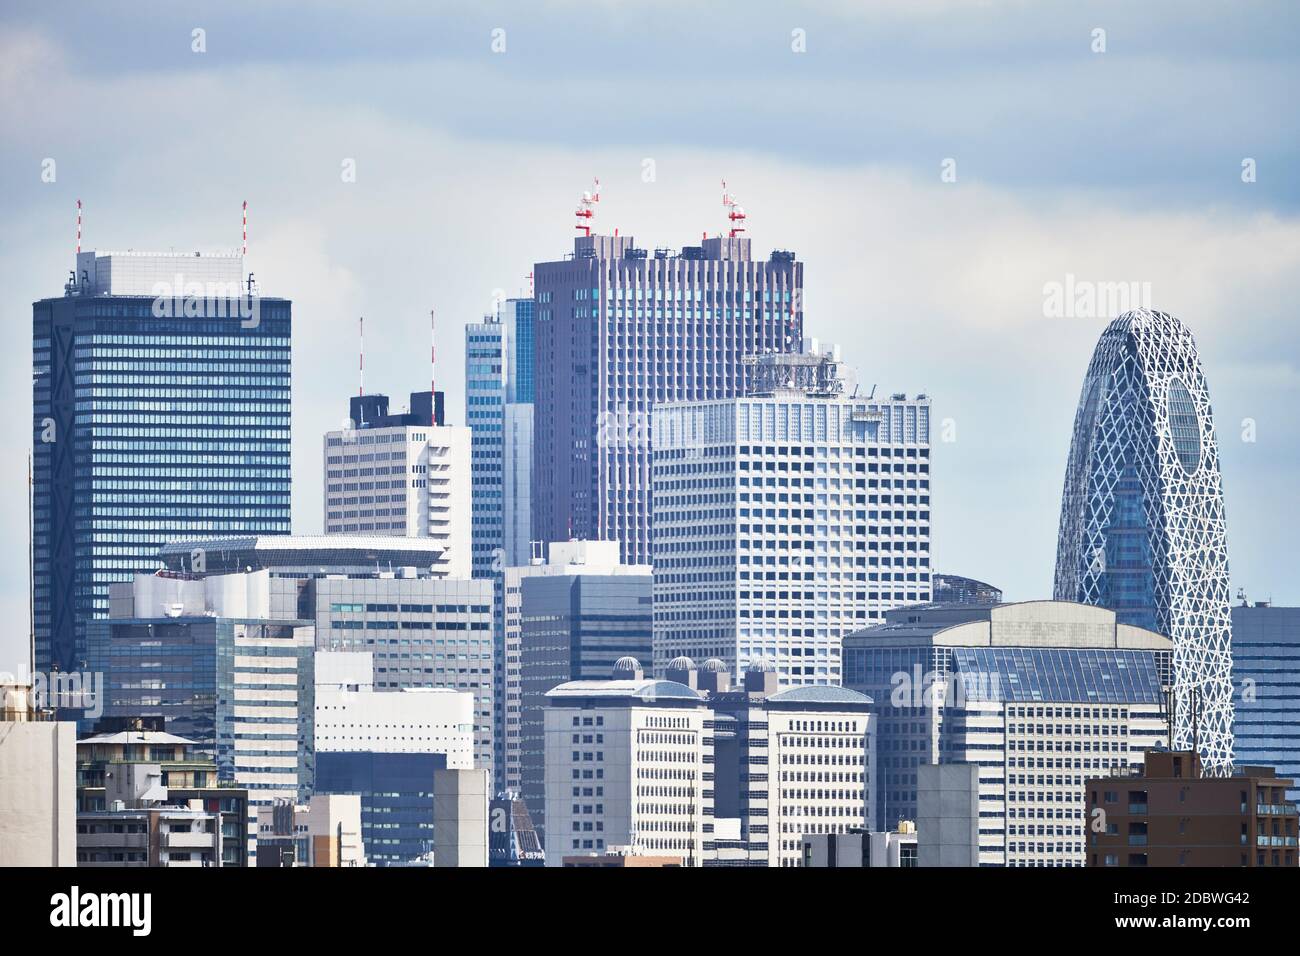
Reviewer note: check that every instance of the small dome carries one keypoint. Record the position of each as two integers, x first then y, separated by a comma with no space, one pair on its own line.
715,666
760,665
628,663
682,663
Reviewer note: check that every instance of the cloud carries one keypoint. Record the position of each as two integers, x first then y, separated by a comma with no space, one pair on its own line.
928,286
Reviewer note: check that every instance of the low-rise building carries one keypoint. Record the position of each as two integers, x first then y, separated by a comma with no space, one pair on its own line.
787,762
153,836
460,818
861,848
627,764
38,816
620,858
325,832
138,753
1167,813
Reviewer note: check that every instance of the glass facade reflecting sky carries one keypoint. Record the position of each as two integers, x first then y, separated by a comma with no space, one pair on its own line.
148,428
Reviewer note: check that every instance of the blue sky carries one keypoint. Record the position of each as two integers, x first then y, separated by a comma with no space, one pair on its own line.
1118,166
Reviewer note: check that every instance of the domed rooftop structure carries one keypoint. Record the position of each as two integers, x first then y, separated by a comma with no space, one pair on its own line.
628,663
760,665
715,666
682,663
820,694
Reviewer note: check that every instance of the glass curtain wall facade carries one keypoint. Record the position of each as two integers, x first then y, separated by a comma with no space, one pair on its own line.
147,428
1266,676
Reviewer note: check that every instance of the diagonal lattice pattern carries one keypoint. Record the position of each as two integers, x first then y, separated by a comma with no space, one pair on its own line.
1142,518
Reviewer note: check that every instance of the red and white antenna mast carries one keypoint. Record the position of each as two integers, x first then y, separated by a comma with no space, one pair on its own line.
735,212
361,357
78,227
245,253
586,208
433,367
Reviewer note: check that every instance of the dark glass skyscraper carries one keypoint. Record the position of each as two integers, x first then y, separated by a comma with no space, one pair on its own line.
161,410
620,331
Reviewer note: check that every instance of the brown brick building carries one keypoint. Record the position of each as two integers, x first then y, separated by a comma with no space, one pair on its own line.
1168,814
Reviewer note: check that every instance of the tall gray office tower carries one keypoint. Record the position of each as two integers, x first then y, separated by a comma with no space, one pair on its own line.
619,331
1143,530
160,410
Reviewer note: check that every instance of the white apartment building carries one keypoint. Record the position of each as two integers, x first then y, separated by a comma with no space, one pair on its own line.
352,717
402,480
626,766
787,519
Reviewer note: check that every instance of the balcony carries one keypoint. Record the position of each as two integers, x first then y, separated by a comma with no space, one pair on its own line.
200,840
1265,840
112,841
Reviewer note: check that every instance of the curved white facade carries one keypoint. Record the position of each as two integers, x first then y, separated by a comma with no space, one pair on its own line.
1142,518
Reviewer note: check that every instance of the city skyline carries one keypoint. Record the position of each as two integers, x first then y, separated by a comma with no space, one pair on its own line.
912,275
643,434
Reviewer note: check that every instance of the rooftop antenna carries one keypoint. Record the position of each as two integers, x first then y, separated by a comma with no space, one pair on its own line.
735,212
361,367
586,208
529,277
433,364
245,252
78,227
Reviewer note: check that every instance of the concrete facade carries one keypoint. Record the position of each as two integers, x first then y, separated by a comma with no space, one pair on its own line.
38,800
351,716
460,818
411,480
787,519
618,332
561,558
626,765
948,815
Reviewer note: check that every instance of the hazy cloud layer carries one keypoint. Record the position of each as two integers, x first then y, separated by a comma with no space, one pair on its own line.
1115,167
